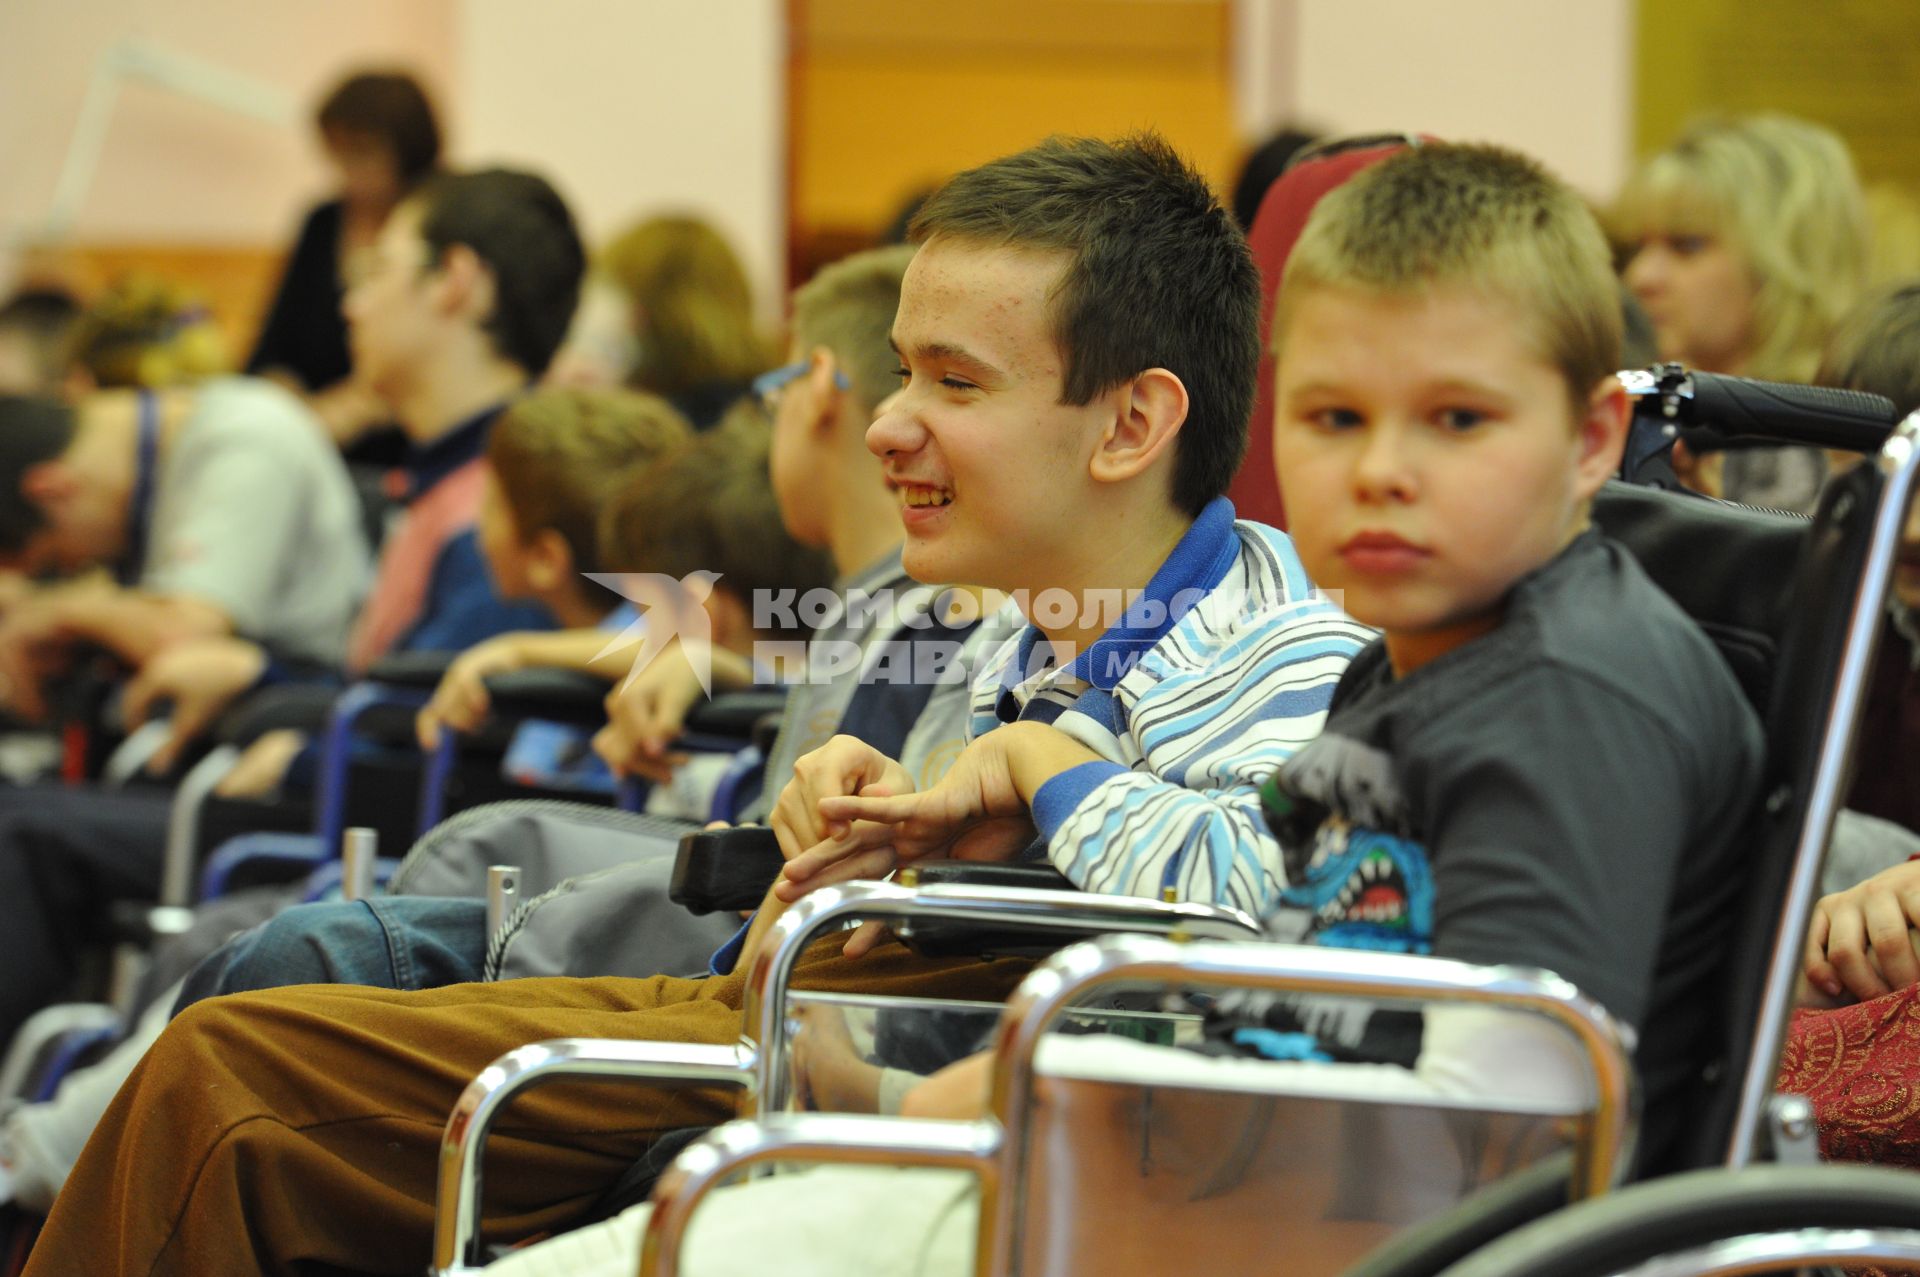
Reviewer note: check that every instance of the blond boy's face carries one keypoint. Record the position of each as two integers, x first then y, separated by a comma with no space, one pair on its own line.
1427,460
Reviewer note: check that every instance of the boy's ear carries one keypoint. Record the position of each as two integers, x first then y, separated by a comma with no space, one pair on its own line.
1147,419
549,561
466,285
823,391
1602,435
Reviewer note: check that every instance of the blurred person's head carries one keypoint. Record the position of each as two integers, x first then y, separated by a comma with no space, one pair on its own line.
841,367
473,266
1876,348
1079,332
690,304
380,135
555,459
711,508
58,511
146,333
1262,168
1748,240
36,340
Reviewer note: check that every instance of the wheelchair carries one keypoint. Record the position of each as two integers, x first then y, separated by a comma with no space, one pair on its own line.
1795,608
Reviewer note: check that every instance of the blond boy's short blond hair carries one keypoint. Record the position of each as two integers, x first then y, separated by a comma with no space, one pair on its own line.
1485,218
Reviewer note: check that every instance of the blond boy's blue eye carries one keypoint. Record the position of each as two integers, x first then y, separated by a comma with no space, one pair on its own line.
1460,420
1336,419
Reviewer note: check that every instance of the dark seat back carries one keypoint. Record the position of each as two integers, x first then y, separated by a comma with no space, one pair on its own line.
1806,733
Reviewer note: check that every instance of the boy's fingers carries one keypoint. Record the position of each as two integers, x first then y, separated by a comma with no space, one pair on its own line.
876,862
1846,950
865,937
1887,933
880,808
1819,972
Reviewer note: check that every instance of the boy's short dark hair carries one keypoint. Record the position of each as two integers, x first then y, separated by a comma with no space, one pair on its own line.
1158,276
710,507
32,430
391,107
559,456
1876,348
519,226
1481,217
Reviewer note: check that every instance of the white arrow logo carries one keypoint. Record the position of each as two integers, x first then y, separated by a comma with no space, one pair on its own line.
668,609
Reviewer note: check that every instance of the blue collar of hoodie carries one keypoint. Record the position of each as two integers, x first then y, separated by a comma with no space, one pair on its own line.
1198,564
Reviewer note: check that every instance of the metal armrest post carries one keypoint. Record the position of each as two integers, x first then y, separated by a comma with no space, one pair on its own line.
456,1225
183,822
844,1139
1073,976
807,918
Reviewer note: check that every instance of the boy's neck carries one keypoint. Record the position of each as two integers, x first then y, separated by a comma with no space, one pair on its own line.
577,609
448,392
1125,558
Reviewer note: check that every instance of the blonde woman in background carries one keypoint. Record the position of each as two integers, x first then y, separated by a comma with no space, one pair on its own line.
669,310
1748,240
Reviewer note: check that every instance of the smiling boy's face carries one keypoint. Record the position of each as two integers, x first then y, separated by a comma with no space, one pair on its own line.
1427,459
990,466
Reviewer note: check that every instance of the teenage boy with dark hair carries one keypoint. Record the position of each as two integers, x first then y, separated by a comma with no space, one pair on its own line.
36,331
1033,453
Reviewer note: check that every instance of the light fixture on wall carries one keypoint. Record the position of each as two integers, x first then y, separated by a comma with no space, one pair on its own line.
143,62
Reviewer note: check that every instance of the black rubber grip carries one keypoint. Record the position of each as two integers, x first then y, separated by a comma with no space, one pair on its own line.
1777,412
725,869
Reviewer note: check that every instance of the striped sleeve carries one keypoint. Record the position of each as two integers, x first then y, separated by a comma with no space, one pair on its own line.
1227,704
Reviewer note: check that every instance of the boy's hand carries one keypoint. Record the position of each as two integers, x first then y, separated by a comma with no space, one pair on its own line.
844,765
957,1092
263,766
1861,940
645,711
974,812
460,702
201,679
33,648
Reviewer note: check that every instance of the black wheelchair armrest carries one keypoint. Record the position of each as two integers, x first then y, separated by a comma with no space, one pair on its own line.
557,696
301,707
939,938
422,670
735,714
732,869
728,869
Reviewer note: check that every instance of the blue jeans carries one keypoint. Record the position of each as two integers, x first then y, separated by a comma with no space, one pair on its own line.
389,942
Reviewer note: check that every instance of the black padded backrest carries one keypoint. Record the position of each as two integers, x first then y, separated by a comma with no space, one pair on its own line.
1821,593
1727,566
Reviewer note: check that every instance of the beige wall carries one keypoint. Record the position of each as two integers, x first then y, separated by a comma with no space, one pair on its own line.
625,104
175,170
1551,77
646,104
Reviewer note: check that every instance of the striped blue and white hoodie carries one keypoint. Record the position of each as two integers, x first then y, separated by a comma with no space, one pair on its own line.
1216,674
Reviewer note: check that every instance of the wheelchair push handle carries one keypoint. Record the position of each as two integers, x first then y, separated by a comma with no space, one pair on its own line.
1816,415
1728,409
